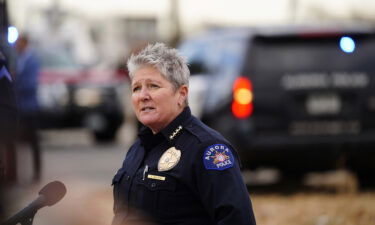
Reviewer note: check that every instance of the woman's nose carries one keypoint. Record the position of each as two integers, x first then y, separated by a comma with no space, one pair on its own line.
144,94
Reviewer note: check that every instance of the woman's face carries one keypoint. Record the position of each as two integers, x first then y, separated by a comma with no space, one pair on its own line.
155,102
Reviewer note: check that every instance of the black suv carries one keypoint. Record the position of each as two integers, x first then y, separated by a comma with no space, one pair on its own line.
298,99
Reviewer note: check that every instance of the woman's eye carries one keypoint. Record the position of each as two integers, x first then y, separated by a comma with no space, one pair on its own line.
136,89
154,86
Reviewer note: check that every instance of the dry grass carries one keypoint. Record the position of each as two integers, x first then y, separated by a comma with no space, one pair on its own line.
315,209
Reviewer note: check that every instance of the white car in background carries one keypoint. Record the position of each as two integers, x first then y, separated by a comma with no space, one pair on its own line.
74,96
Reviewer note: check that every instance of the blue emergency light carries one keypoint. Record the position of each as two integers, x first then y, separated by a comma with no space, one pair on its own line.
347,44
12,34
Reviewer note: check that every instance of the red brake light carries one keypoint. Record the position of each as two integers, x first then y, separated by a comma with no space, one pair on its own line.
242,105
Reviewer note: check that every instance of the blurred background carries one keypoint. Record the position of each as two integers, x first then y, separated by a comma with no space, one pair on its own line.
289,82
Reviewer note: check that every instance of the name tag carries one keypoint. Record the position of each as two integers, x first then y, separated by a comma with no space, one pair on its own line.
155,177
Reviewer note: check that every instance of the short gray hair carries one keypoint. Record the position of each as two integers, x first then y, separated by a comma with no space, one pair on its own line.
167,60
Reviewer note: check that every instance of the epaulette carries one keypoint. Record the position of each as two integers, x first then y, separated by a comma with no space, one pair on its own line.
199,131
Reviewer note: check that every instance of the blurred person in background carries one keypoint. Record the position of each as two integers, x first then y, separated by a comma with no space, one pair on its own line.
26,83
8,122
178,171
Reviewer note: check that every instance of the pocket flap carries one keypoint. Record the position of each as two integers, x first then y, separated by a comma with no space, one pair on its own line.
167,184
118,176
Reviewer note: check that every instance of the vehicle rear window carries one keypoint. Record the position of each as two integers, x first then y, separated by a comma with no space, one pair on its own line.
270,56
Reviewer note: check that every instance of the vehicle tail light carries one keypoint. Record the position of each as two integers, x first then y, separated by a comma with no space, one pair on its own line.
242,105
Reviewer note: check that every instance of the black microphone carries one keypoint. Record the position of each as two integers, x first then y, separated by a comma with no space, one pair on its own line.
48,196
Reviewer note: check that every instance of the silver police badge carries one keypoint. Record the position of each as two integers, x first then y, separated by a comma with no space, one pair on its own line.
169,159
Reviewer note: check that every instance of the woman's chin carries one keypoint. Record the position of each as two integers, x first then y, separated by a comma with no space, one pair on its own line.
148,122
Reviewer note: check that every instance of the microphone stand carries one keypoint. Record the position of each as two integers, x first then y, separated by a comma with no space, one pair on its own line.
27,220
48,195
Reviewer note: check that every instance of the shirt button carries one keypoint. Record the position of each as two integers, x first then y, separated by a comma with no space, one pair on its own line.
128,177
153,185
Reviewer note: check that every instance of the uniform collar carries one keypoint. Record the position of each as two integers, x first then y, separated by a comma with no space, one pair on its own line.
175,127
148,139
169,132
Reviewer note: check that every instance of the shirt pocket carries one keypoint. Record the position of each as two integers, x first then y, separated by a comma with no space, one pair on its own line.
168,197
149,192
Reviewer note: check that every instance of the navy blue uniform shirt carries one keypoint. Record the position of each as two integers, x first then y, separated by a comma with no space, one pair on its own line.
204,187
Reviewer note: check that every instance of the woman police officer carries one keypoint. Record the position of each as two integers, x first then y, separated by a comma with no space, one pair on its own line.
178,171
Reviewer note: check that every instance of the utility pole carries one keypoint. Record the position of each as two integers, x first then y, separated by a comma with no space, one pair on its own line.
293,11
175,22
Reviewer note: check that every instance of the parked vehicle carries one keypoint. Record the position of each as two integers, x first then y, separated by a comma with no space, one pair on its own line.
298,99
73,96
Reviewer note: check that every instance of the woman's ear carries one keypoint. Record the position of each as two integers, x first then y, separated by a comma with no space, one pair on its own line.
183,94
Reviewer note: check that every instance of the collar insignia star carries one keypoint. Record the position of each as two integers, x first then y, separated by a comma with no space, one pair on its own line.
173,135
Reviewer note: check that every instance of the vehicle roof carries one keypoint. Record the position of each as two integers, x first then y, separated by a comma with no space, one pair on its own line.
286,30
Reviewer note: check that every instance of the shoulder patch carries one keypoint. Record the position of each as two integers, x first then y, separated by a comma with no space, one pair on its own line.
218,157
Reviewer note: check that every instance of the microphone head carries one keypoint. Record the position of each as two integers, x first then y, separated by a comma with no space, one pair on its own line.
53,192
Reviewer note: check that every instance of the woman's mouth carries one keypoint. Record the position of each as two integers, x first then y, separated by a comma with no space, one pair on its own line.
147,109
